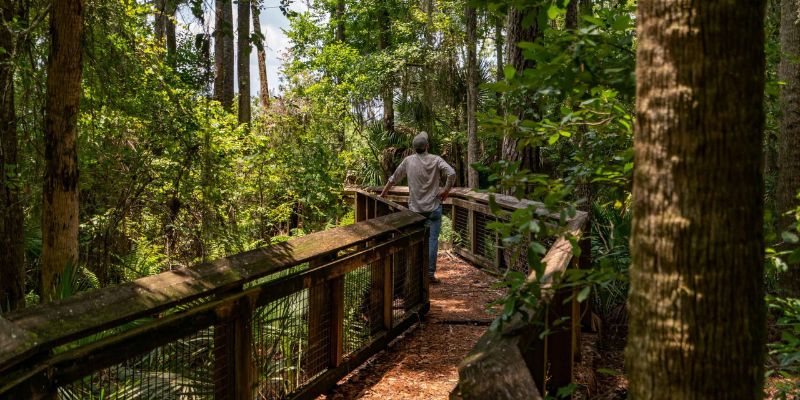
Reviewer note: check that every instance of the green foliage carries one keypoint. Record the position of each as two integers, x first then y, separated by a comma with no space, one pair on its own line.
785,352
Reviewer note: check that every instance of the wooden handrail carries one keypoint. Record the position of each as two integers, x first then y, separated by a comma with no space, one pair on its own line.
29,337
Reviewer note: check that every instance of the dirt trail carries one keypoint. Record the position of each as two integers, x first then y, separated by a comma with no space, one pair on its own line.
423,363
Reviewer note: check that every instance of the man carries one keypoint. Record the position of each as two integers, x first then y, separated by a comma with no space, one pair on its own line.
423,171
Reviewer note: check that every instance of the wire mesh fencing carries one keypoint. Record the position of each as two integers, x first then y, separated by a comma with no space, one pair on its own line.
180,370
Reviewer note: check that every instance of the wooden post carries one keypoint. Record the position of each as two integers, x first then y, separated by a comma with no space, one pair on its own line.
560,342
424,250
225,355
319,303
388,292
376,295
498,253
585,262
473,233
361,207
337,321
243,351
536,359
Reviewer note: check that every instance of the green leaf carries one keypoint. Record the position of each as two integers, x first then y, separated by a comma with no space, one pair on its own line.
594,20
553,139
509,72
553,11
609,372
622,23
790,237
584,293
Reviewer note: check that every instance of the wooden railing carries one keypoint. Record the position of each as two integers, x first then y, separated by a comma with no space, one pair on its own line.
285,321
516,361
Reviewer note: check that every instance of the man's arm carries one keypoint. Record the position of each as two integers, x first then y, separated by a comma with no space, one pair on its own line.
445,168
388,186
398,176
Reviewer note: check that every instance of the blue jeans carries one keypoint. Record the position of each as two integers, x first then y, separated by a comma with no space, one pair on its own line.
434,225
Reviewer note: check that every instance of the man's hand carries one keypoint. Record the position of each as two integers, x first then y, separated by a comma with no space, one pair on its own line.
444,195
383,194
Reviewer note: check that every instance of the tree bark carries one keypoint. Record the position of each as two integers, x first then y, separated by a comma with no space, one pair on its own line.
384,40
164,26
159,23
696,300
339,15
789,137
498,50
472,94
243,60
172,42
586,7
528,156
12,232
223,53
60,191
261,54
571,19
430,68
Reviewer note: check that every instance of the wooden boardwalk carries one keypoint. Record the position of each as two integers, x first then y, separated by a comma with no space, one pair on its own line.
423,363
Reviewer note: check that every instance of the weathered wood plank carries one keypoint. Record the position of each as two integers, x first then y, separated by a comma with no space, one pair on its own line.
58,323
560,253
337,321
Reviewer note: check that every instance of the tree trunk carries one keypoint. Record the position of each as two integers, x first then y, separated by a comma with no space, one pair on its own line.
159,24
384,40
586,7
12,232
498,49
696,302
261,54
430,68
339,14
472,94
519,32
172,43
164,26
223,53
243,65
60,191
571,19
789,137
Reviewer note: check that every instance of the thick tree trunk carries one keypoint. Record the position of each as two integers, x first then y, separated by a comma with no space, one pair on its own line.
789,137
223,53
243,60
472,94
60,192
519,32
696,302
384,40
12,232
261,54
